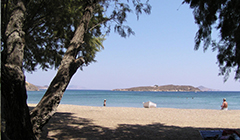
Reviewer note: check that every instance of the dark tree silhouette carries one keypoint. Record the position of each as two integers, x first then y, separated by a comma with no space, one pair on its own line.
224,15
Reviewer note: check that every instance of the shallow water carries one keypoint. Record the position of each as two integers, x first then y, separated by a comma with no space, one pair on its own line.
183,100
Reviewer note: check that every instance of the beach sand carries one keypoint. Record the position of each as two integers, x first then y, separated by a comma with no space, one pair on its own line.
72,122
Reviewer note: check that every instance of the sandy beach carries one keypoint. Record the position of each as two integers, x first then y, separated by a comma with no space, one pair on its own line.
72,122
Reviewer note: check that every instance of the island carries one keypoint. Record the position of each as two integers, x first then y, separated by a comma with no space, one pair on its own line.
168,88
31,87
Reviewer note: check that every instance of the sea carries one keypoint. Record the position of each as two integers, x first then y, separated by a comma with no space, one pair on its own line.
181,100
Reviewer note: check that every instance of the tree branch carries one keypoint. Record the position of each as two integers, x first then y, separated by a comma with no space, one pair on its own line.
79,61
99,24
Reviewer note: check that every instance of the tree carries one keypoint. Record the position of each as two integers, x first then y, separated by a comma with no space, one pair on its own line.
70,63
13,95
66,34
49,27
225,16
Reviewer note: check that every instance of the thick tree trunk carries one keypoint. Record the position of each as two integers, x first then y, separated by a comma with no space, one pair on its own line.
15,111
41,114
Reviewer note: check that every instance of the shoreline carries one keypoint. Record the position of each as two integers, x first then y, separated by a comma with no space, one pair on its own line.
183,100
79,122
33,105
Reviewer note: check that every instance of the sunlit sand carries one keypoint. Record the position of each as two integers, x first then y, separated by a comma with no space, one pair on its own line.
85,122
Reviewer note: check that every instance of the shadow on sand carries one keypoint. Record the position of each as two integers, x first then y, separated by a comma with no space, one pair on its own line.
65,126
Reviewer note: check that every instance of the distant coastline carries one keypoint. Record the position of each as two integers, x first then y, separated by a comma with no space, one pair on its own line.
165,88
168,88
31,87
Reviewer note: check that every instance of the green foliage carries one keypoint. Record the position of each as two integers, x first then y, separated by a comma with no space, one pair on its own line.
49,28
56,22
119,14
50,25
225,15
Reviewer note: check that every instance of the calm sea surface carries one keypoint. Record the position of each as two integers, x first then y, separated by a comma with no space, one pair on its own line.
184,100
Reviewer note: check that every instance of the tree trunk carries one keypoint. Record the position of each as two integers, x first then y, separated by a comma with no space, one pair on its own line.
14,109
41,114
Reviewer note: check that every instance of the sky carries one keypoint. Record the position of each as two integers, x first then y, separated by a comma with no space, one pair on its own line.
160,53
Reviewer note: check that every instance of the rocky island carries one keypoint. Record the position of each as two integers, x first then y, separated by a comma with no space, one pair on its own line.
31,87
169,88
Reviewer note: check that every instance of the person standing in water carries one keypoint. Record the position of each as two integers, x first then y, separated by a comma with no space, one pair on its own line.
104,102
224,105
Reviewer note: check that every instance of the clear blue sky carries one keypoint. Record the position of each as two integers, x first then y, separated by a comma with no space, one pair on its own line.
161,52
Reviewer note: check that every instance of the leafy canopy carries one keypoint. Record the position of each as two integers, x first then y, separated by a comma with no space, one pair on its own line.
224,15
50,25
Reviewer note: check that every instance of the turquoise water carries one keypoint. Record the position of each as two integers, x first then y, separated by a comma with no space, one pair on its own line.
183,100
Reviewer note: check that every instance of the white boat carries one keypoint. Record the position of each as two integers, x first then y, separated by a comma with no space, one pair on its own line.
149,104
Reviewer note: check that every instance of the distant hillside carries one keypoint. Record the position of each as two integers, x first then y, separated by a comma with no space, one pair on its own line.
31,87
43,87
171,88
202,88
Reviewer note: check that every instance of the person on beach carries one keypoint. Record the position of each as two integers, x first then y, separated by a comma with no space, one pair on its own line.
104,102
224,105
